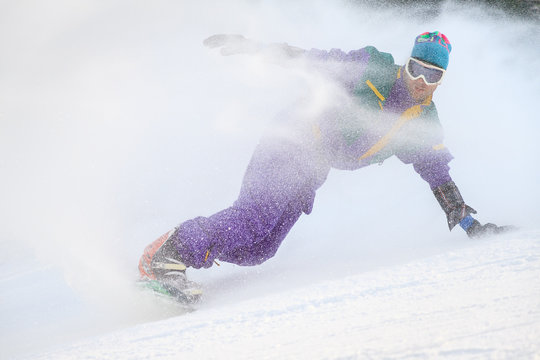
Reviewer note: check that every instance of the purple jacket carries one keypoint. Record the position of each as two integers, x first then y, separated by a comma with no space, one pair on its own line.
373,121
381,119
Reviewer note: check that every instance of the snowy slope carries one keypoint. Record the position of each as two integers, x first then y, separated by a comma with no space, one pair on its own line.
480,301
116,124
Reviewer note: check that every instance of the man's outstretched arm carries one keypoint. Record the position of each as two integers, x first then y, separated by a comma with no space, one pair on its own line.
457,212
231,44
433,167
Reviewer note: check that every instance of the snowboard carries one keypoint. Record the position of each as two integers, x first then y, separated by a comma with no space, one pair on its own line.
187,296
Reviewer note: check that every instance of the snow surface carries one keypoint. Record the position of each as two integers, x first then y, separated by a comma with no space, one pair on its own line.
116,124
479,301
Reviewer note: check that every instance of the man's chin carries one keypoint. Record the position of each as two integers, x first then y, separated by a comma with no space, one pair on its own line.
419,95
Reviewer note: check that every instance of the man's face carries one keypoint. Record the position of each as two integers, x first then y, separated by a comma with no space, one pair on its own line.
418,88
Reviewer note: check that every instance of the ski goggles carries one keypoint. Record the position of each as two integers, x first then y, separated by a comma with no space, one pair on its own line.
417,69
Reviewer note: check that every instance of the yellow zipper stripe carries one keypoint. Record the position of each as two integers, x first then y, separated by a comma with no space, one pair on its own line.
374,89
407,115
438,147
386,138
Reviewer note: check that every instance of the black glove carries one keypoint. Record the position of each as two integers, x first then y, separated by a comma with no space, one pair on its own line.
452,203
477,230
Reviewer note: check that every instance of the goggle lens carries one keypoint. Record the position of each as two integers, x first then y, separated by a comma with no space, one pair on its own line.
431,75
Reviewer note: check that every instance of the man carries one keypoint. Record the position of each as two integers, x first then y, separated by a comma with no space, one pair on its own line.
382,110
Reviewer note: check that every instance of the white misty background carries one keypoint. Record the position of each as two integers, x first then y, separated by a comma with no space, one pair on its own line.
116,124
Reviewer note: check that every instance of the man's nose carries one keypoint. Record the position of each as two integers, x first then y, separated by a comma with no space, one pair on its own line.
422,82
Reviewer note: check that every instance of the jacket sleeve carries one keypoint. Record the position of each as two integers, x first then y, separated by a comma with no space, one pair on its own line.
347,68
430,159
424,149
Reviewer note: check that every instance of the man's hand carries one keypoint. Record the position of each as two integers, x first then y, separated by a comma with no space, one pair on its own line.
477,230
452,203
232,44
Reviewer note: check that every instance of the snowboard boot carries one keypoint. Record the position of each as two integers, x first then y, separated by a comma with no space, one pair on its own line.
162,270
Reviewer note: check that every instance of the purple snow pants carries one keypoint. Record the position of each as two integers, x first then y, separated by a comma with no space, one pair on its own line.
279,185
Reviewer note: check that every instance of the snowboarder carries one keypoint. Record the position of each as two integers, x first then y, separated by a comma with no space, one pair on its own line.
387,110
